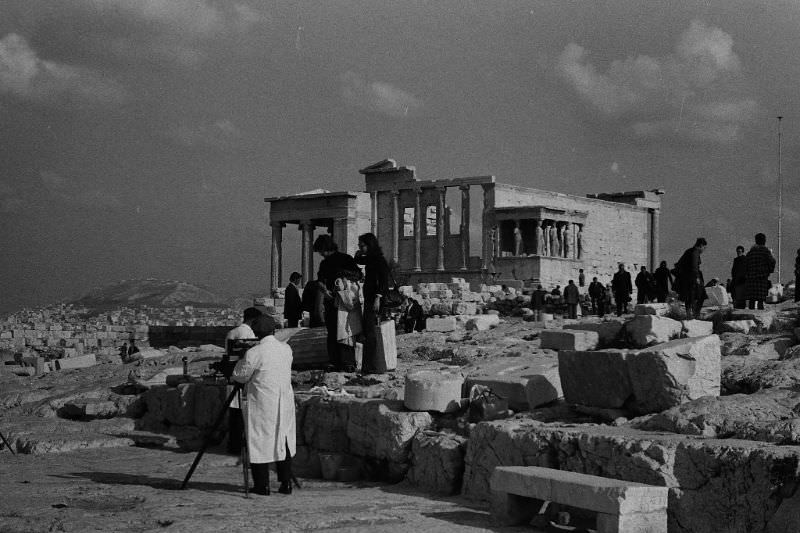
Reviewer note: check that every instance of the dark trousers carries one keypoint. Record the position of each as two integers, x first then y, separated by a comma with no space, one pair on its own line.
573,310
260,472
370,337
334,354
292,322
622,302
694,301
641,297
235,431
796,289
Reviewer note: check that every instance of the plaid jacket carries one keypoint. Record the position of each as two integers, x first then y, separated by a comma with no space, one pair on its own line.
759,265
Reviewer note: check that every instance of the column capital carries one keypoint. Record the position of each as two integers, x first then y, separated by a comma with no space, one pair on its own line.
463,188
395,193
306,224
276,225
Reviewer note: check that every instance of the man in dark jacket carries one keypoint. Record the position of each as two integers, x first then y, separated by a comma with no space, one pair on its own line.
572,298
538,299
760,263
293,305
313,301
663,282
597,295
690,278
623,288
643,282
738,271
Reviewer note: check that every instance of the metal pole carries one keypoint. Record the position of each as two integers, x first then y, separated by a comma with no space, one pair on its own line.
780,200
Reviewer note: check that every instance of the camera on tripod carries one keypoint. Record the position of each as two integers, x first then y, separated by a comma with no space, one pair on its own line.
235,350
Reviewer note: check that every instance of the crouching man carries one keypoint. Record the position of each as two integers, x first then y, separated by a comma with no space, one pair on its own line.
266,371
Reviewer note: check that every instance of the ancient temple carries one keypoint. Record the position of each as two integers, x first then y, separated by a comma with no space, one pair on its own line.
526,234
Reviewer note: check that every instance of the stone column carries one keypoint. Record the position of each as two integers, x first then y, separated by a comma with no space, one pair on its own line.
488,223
277,255
374,214
654,239
418,230
396,226
464,226
306,253
440,214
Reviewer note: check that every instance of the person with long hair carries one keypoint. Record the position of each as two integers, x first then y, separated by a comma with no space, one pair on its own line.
376,285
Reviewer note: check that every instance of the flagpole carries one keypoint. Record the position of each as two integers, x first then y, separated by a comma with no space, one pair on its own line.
780,200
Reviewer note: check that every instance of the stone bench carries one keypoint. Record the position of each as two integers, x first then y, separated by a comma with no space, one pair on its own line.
518,493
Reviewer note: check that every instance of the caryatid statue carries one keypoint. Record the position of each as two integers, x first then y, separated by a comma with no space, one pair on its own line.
566,238
579,242
545,238
517,239
539,237
554,245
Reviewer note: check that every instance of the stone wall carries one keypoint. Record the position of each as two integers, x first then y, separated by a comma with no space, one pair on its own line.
715,485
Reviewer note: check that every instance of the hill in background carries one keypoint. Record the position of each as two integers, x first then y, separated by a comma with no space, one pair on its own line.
152,293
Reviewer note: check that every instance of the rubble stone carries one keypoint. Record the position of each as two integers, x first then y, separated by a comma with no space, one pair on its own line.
82,361
440,324
429,390
737,326
763,318
597,378
569,339
382,429
509,378
438,462
645,330
483,322
717,296
674,372
607,330
696,328
658,309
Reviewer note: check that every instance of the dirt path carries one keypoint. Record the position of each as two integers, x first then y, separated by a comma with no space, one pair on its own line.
133,489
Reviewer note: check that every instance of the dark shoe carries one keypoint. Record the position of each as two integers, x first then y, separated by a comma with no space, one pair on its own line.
285,488
262,492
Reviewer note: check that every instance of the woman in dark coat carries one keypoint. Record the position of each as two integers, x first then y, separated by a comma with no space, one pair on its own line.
663,279
376,285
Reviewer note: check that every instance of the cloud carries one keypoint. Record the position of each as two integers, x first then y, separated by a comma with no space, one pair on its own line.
76,195
221,134
377,96
24,75
687,93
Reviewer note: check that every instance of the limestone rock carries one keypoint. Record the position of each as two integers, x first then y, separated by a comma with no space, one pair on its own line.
745,375
483,322
431,390
440,324
658,309
324,423
437,462
509,378
597,378
645,330
569,339
733,343
381,429
82,361
608,330
696,328
771,348
674,372
763,318
737,326
717,295
464,308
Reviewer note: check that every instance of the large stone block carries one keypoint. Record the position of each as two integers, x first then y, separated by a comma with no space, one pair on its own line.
569,339
645,330
433,390
442,325
509,378
737,326
658,309
607,330
674,372
325,424
696,328
483,322
382,429
763,318
597,378
83,361
717,296
437,462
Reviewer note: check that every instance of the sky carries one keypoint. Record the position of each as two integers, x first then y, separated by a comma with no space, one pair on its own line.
138,138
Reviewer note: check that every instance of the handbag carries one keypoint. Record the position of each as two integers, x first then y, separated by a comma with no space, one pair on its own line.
485,405
393,298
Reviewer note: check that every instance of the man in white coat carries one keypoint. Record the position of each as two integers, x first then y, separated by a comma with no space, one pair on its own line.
235,420
266,369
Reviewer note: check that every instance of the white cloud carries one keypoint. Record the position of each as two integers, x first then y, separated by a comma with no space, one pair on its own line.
221,134
378,96
25,75
685,93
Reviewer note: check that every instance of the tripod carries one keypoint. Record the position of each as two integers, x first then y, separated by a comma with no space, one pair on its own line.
7,444
207,441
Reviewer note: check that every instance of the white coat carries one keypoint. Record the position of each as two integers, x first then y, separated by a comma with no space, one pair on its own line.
269,413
